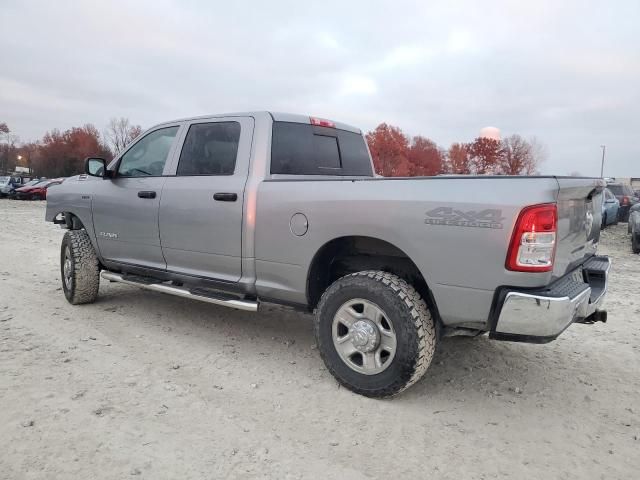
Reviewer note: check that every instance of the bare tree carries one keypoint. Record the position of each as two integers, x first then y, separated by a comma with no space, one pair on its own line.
539,154
516,156
7,148
521,157
119,133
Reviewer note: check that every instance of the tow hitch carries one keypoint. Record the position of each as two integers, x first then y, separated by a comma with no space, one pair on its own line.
597,316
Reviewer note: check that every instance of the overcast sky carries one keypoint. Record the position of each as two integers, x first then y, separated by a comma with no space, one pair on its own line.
567,72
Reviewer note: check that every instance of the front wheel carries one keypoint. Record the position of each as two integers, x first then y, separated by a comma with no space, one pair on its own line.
79,268
375,333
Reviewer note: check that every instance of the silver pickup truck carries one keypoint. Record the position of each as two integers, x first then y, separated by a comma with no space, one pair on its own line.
242,209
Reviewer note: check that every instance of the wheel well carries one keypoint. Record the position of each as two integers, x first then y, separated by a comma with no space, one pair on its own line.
72,221
346,255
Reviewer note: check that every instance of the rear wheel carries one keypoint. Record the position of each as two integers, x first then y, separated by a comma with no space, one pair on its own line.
79,268
635,242
375,333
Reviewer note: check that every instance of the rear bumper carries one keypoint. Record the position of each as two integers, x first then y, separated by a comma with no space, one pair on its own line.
539,316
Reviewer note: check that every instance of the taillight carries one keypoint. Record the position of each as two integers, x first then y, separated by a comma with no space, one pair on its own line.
533,244
321,122
625,200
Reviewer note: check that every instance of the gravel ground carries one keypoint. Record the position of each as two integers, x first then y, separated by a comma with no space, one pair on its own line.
151,386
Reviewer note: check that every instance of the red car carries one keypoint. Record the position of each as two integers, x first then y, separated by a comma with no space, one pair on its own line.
37,191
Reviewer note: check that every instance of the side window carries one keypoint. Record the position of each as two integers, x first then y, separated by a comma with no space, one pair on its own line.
210,149
148,156
303,149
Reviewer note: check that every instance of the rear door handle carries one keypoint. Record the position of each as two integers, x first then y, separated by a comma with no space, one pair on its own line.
225,197
146,194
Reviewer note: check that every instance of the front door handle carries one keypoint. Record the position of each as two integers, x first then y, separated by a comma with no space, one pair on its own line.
225,197
146,194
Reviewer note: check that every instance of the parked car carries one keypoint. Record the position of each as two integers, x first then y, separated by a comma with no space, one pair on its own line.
37,191
8,185
610,207
634,227
626,196
244,209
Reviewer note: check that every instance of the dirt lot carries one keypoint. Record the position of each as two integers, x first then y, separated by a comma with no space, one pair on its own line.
147,385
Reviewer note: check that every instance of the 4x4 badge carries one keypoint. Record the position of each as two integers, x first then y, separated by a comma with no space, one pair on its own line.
449,216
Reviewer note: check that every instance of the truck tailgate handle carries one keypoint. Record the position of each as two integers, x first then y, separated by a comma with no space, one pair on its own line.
225,197
146,194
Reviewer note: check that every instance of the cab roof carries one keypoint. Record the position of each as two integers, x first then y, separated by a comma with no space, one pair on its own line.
276,116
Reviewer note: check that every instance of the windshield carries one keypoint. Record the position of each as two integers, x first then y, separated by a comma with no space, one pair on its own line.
39,183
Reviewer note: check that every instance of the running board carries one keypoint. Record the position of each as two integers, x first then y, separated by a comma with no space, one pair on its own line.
247,305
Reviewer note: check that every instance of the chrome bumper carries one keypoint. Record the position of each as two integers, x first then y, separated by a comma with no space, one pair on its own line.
540,316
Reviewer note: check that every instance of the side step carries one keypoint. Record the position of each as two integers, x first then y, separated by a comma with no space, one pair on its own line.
247,305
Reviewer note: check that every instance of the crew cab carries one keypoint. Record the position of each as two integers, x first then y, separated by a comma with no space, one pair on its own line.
250,208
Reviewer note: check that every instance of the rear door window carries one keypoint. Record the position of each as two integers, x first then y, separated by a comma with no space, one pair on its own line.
303,149
210,149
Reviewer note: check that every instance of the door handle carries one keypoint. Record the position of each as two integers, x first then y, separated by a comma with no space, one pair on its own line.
146,194
225,197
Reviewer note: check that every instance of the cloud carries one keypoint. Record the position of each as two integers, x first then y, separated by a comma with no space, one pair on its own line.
358,85
566,72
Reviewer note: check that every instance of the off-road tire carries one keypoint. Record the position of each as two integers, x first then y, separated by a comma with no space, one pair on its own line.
85,270
406,310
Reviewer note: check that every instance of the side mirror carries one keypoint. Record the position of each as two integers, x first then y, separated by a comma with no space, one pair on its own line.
95,166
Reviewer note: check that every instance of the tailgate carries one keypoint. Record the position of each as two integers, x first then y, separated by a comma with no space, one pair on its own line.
579,218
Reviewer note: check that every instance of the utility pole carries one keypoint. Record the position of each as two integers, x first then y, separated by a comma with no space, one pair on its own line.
604,149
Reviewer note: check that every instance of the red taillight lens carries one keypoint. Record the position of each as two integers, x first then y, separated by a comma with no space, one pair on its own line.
533,244
321,122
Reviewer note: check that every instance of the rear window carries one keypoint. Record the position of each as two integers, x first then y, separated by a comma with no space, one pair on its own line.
301,149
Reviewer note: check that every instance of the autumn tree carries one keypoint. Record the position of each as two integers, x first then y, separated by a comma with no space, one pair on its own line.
484,155
425,157
458,161
389,148
119,133
62,154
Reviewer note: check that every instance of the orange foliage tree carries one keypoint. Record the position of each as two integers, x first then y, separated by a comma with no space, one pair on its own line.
62,154
425,157
389,148
458,159
484,154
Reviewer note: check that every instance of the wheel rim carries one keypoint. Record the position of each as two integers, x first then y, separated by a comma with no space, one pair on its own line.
67,269
364,337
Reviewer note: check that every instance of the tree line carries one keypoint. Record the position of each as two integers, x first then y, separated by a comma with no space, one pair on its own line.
62,153
395,154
